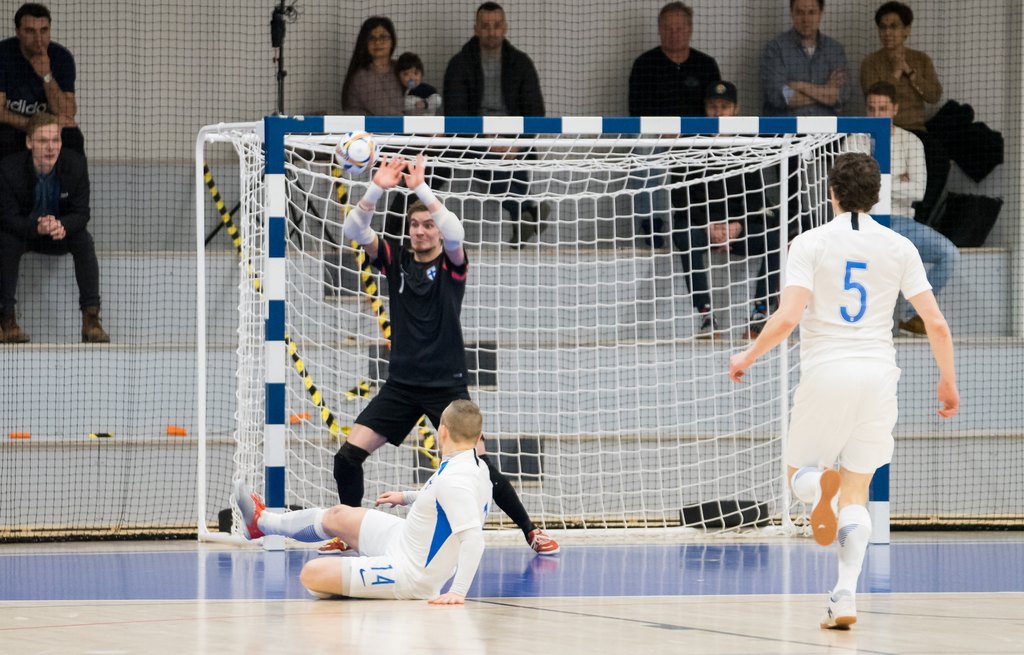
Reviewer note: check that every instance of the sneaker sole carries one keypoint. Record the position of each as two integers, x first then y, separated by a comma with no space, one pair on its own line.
842,623
823,520
548,552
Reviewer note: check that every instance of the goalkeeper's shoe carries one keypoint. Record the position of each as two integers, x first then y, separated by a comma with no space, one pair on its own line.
250,506
823,516
841,612
333,547
541,542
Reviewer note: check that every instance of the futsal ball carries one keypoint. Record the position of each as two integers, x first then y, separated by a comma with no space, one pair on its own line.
356,152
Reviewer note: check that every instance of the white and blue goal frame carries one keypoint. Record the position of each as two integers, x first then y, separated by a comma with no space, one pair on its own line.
276,128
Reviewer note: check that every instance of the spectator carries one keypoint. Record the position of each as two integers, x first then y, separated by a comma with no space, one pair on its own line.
420,99
669,80
371,86
913,76
803,72
44,207
908,185
730,215
909,71
489,77
36,76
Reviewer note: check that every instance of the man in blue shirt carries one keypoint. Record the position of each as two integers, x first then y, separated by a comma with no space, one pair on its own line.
803,72
36,75
44,207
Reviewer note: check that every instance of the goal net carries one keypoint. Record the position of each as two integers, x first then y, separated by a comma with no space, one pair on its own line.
613,267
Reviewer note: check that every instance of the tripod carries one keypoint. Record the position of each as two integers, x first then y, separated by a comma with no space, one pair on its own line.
278,19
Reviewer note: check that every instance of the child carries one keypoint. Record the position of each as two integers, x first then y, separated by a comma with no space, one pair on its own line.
420,99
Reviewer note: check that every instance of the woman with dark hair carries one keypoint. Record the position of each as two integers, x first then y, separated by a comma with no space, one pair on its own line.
371,87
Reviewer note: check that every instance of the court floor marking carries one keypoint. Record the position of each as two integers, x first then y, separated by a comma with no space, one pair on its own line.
668,626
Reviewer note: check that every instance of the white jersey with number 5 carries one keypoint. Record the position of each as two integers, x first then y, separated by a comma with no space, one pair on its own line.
855,269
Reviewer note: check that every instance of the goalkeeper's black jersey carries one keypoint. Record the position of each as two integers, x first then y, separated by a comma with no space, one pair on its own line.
427,349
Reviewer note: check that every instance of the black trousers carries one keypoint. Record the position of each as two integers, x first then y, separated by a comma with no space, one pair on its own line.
760,243
79,245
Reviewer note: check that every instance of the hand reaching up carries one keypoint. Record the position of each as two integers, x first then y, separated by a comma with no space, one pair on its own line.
389,173
417,172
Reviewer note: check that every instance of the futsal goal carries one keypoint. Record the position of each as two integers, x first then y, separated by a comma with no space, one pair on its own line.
605,400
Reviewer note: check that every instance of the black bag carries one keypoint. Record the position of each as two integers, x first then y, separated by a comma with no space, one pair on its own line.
967,219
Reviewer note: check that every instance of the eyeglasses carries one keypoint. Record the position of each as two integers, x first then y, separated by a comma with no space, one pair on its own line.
380,38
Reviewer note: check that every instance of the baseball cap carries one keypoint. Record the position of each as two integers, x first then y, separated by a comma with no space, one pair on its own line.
722,89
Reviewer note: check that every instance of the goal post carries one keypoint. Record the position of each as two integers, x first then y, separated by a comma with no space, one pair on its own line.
602,400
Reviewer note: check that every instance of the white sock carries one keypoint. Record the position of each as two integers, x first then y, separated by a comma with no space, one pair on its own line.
854,532
306,525
805,484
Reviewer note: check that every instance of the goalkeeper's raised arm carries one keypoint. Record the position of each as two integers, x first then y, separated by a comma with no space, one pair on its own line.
357,221
431,226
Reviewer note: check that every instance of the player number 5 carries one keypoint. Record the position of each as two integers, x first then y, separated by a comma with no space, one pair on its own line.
850,285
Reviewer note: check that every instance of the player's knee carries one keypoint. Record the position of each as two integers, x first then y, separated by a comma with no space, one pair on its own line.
348,461
335,518
322,577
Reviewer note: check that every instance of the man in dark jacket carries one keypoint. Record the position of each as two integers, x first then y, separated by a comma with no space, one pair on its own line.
489,77
44,207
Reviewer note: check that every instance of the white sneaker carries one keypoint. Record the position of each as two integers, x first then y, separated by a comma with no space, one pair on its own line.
841,612
250,506
708,327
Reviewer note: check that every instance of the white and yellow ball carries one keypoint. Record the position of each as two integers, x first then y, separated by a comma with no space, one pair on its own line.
356,152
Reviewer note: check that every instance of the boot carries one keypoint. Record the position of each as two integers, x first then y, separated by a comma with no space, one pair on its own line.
92,330
12,333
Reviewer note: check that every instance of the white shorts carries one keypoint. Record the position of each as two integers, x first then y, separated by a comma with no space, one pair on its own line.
380,571
844,411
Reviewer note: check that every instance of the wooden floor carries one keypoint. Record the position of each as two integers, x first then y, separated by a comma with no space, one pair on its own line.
923,594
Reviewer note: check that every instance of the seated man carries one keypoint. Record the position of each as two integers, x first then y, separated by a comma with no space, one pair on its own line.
730,215
407,558
668,80
37,75
491,77
44,207
803,72
909,178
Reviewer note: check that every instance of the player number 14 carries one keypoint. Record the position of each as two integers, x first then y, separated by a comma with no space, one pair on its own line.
850,285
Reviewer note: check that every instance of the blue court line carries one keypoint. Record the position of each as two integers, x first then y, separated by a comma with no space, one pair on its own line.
797,567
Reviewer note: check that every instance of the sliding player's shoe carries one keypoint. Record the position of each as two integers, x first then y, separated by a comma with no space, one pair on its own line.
333,547
541,542
250,506
823,516
841,612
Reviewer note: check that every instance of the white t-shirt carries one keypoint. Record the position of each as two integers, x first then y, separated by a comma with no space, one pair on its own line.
454,499
907,159
855,276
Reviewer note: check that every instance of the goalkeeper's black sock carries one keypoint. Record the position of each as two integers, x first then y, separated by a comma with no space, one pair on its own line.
507,499
348,473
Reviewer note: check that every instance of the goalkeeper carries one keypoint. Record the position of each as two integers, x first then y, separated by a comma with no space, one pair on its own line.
427,371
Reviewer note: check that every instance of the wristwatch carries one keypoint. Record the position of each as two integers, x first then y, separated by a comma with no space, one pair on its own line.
47,78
